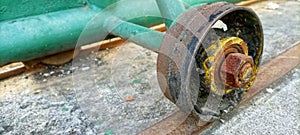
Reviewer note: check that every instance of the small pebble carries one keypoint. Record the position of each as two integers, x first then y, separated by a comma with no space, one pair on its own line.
73,68
85,68
65,109
52,72
89,132
68,72
24,105
45,106
74,131
37,91
62,71
1,130
269,90
129,98
225,111
111,86
97,123
148,53
7,128
222,121
137,81
46,75
272,6
57,104
109,132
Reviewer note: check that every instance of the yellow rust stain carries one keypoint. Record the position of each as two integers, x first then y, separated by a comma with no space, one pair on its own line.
217,48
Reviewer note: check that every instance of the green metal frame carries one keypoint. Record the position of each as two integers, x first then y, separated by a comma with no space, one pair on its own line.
170,10
35,28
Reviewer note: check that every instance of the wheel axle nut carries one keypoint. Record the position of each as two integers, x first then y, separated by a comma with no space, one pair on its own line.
237,70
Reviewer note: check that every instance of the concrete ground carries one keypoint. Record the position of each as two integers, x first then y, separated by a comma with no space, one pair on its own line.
92,94
276,111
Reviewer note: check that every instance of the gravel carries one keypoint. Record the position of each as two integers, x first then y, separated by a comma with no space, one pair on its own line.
90,100
280,26
268,113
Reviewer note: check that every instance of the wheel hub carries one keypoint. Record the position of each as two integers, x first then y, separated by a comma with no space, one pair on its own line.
205,69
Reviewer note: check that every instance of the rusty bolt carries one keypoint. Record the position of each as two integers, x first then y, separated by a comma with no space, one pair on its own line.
236,70
245,73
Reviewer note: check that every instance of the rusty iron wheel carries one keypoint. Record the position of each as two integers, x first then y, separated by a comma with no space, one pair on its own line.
193,50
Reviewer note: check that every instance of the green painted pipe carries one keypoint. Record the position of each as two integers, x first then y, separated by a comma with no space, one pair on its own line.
170,10
39,33
38,36
143,36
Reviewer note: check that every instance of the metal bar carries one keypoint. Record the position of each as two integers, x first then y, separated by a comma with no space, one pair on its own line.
272,70
170,10
114,42
193,3
248,2
143,36
10,70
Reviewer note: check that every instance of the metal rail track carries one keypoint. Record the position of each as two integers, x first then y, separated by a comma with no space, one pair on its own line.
273,70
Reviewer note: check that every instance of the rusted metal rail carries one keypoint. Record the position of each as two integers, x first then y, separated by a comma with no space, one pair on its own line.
269,73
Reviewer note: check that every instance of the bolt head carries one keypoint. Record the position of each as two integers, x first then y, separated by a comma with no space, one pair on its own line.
237,70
